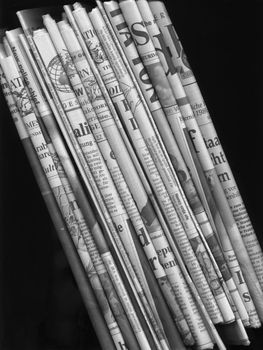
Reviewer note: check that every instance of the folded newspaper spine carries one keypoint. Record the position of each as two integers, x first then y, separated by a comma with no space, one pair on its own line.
138,192
90,243
84,69
183,103
120,27
141,117
114,170
133,175
247,250
146,211
122,319
61,229
26,20
51,168
72,106
181,206
107,73
209,133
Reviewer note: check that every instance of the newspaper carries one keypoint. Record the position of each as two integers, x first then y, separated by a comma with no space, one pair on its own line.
88,143
122,69
208,322
176,121
207,165
212,142
151,140
142,200
165,254
103,172
120,27
237,274
12,51
90,217
72,106
46,159
50,167
207,128
223,177
181,97
183,109
96,269
28,19
39,98
61,229
100,106
94,98
134,58
174,190
98,21
232,261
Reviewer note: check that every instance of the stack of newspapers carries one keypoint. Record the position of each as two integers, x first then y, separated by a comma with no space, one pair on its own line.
134,176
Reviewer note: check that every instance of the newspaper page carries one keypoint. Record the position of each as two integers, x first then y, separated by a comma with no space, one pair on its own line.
12,51
174,117
29,20
83,133
130,92
177,122
209,133
85,289
228,219
49,167
233,264
142,200
100,107
105,92
23,53
80,194
87,178
152,142
174,191
176,84
214,272
44,152
96,269
165,253
183,109
127,243
234,291
37,95
209,324
71,106
85,101
95,101
103,111
120,27
101,29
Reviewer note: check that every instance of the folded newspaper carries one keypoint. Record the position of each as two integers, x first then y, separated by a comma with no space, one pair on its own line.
134,176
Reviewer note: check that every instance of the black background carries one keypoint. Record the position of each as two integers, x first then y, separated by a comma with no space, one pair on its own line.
40,304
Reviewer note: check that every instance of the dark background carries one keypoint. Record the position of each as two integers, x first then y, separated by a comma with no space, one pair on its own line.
40,306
